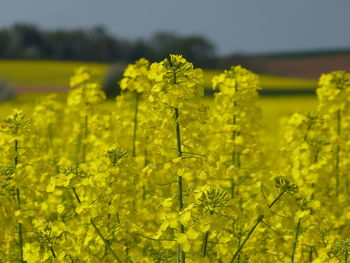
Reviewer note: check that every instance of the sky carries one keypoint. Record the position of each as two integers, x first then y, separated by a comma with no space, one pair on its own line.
233,26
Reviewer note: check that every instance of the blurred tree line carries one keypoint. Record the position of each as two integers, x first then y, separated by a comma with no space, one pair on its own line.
25,41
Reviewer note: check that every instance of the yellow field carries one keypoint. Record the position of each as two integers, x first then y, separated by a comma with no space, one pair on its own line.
57,73
23,72
271,82
275,108
161,175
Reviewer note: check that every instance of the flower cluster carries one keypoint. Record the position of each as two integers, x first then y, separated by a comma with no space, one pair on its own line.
164,175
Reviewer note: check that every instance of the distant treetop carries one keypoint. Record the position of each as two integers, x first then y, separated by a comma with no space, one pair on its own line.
26,41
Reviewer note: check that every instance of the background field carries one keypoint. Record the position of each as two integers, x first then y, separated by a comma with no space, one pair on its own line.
22,73
56,73
275,109
54,76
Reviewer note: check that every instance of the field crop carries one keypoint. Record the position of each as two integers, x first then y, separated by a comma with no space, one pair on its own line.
163,175
29,72
271,82
57,73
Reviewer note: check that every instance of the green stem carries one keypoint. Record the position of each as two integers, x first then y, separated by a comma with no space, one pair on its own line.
232,188
235,161
52,252
337,157
180,252
178,135
105,241
77,148
51,145
258,221
180,201
205,244
235,155
310,255
307,132
127,254
76,195
16,151
277,198
240,254
18,199
296,240
145,163
50,137
20,231
85,137
136,109
260,218
135,124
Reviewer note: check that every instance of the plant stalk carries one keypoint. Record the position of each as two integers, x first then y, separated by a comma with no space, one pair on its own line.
235,155
205,244
180,252
296,240
310,255
337,157
85,137
105,241
52,252
136,109
18,199
258,221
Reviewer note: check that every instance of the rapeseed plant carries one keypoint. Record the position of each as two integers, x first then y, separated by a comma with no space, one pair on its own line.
162,177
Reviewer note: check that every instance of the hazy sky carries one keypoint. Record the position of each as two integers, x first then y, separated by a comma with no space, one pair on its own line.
232,25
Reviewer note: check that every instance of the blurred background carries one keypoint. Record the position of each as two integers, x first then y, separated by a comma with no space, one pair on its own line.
288,43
